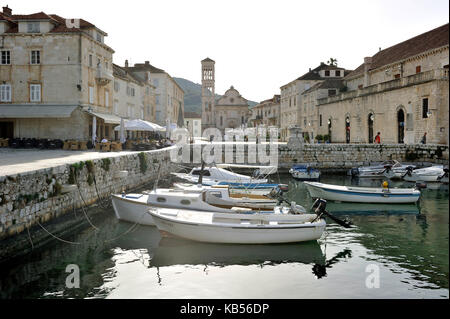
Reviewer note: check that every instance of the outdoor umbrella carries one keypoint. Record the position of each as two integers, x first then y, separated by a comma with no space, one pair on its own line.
94,129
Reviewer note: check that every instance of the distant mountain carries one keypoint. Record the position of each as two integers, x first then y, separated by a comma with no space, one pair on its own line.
193,95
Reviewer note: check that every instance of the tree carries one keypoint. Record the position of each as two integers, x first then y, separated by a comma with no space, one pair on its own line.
332,62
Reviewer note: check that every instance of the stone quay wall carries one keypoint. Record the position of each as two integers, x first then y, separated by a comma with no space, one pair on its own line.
40,196
345,156
334,157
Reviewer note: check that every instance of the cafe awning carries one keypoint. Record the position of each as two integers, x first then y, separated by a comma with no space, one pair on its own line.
107,118
36,111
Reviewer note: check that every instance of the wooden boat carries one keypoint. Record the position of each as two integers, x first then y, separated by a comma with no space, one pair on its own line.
304,172
363,194
238,228
133,207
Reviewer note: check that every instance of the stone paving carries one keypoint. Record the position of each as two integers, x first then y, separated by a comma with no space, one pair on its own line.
16,161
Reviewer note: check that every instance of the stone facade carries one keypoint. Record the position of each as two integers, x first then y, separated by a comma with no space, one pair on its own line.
294,108
401,92
266,113
53,67
169,96
134,96
193,122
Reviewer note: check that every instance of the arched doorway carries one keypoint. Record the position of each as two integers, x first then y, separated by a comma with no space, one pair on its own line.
370,126
347,130
401,126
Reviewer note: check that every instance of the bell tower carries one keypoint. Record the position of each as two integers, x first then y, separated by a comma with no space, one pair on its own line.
208,94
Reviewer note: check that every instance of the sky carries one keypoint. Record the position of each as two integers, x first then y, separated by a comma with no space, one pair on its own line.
258,45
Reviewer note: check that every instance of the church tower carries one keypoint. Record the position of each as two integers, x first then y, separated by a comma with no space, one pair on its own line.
208,94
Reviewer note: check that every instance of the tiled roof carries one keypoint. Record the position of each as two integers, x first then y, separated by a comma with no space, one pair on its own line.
327,84
122,73
208,60
192,115
433,39
147,67
314,74
60,22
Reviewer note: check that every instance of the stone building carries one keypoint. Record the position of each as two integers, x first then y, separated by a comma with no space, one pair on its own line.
55,75
292,107
134,96
193,122
229,111
266,113
169,96
401,91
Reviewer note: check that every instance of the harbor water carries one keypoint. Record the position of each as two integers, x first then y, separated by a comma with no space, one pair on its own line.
394,251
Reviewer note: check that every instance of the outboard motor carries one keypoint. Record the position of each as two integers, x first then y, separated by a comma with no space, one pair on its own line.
319,206
444,175
409,170
354,172
421,185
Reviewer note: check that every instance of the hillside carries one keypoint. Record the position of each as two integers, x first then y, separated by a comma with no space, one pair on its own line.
193,95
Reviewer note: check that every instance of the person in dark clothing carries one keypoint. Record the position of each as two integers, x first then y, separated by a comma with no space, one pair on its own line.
424,138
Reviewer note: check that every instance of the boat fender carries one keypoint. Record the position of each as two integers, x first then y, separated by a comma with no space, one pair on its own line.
354,171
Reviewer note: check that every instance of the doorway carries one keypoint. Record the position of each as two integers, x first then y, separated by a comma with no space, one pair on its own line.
347,130
401,126
7,130
371,118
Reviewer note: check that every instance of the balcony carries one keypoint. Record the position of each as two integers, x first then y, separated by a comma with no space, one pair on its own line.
103,77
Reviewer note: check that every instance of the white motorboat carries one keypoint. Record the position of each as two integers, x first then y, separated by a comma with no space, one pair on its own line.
363,194
428,174
132,207
379,170
304,172
238,228
218,176
398,172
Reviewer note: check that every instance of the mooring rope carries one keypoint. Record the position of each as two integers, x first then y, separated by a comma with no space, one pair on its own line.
56,237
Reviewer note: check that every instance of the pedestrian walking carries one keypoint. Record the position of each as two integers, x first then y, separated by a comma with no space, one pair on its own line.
378,138
424,139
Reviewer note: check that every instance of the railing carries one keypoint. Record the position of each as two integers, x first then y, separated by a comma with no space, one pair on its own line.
103,76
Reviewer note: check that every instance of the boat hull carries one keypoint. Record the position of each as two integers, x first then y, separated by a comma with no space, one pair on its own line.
355,196
132,211
239,234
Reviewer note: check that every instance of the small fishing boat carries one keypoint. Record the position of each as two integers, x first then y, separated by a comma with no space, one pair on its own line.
434,173
304,172
378,170
363,194
133,207
253,228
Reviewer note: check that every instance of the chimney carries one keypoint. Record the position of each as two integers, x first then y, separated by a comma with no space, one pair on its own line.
7,11
147,63
367,65
309,69
126,63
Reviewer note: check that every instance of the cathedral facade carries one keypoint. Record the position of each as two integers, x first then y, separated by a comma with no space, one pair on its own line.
229,111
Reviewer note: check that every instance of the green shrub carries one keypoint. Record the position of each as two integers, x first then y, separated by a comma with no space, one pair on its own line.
106,162
143,162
